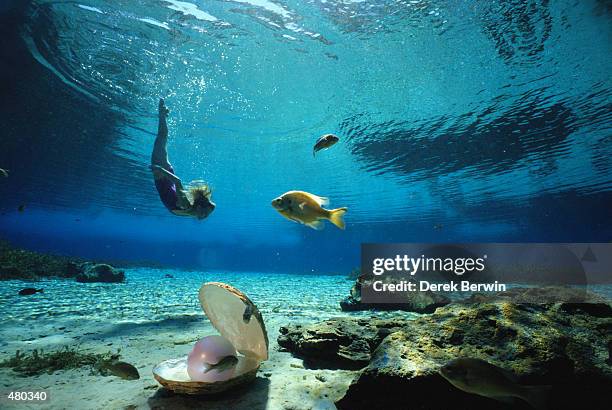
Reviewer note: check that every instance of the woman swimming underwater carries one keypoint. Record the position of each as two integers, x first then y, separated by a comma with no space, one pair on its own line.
195,200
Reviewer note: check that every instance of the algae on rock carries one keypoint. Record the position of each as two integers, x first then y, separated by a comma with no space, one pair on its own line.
565,345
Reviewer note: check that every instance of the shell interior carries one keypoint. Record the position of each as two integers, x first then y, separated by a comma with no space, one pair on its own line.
172,374
176,369
236,318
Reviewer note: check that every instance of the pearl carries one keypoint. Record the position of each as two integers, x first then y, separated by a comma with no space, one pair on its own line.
210,350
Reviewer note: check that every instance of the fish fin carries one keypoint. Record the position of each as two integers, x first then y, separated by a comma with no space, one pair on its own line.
247,353
302,205
321,200
317,225
537,396
336,216
289,217
296,220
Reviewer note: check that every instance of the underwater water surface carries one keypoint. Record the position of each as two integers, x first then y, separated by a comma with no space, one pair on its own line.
458,121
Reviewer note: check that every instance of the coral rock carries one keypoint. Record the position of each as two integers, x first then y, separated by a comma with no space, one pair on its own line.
541,344
337,343
419,302
100,273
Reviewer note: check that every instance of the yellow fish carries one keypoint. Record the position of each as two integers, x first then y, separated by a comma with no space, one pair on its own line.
305,208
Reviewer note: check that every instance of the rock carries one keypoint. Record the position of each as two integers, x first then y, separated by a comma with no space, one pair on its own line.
419,302
8,272
25,265
540,295
354,274
546,344
100,273
73,269
340,343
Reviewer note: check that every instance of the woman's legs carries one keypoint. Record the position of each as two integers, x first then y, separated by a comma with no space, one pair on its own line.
160,151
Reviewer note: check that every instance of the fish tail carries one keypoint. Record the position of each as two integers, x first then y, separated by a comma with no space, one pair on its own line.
336,216
537,396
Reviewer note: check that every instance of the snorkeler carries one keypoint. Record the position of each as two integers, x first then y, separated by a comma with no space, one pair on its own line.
195,200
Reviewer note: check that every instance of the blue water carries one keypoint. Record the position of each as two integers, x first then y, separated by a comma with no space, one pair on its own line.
458,121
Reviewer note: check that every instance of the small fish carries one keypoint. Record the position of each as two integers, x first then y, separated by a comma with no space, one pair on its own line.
4,172
324,142
480,377
305,208
21,208
248,312
437,227
30,291
224,364
122,369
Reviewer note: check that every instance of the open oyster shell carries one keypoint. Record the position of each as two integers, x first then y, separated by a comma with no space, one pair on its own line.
237,319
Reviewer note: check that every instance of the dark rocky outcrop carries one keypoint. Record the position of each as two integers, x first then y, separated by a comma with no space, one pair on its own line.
26,265
339,343
546,344
540,295
566,345
419,302
100,273
21,264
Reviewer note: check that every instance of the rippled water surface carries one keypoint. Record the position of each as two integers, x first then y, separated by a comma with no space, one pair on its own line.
458,120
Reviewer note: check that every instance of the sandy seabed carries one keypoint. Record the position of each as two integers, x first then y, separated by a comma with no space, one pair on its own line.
151,319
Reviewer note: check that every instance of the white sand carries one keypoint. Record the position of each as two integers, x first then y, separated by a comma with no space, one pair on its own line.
50,322
282,381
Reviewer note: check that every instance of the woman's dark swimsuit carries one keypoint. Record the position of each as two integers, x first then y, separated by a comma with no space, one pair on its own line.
167,191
